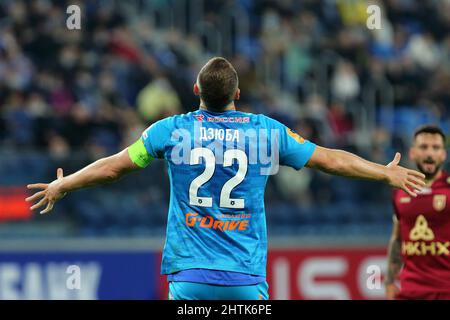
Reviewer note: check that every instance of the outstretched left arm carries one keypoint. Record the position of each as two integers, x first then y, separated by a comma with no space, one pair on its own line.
339,162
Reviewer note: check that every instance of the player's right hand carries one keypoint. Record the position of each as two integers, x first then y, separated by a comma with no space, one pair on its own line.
391,291
49,194
411,181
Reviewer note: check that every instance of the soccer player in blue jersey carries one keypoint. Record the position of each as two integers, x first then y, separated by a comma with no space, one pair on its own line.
219,160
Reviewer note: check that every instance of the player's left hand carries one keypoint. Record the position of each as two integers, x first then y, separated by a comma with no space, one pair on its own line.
49,194
410,181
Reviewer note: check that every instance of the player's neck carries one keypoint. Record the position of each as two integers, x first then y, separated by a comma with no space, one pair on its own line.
229,107
430,181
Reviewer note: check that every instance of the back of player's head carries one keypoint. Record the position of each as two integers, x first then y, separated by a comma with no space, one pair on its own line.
431,129
218,83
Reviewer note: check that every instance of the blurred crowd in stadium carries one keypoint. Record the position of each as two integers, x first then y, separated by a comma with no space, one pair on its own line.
70,97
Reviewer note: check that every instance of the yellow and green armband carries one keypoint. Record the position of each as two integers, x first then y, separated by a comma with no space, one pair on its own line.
139,155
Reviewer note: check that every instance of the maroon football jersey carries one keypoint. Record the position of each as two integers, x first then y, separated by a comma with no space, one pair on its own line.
425,237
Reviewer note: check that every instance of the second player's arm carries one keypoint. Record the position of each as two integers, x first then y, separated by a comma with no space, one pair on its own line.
395,261
342,163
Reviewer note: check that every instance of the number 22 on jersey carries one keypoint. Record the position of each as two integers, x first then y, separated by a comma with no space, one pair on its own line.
210,165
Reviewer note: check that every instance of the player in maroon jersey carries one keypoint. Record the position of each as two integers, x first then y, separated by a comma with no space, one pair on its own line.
419,249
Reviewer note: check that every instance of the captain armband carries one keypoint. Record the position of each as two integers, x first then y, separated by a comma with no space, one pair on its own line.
139,155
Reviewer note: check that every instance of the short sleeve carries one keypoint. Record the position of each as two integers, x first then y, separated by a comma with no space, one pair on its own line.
394,203
294,150
156,137
151,144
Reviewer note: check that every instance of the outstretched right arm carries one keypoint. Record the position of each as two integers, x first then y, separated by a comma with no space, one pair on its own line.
102,171
106,170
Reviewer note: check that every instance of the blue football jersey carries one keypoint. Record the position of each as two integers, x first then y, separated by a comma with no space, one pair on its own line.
218,165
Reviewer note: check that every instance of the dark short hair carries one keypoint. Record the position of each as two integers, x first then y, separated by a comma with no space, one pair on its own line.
218,81
432,129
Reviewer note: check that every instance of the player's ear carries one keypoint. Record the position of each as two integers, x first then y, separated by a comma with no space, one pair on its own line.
196,89
411,153
238,94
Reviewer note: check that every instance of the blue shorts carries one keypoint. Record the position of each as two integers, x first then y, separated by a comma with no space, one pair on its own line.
181,290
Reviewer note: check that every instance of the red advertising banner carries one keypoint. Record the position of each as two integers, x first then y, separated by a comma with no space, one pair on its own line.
322,274
326,273
13,205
